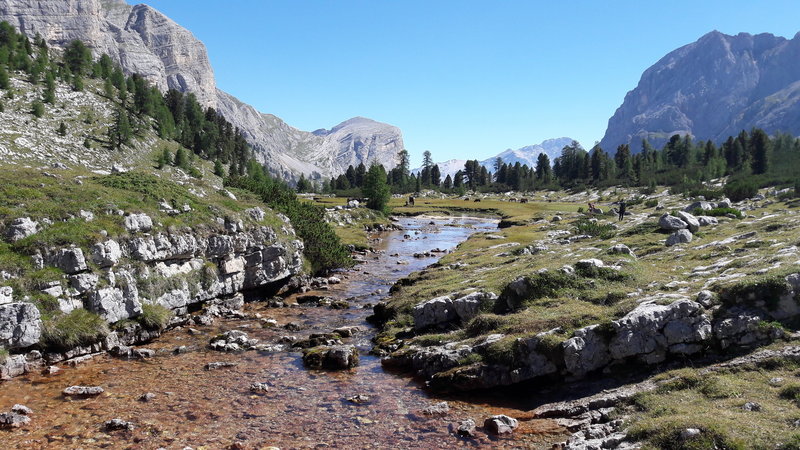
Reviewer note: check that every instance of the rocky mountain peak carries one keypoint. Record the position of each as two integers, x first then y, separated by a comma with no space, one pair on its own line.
713,88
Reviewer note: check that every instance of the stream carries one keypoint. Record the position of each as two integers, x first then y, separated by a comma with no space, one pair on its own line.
301,409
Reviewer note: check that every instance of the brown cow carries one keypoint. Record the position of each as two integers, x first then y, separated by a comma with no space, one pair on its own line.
523,200
477,199
512,199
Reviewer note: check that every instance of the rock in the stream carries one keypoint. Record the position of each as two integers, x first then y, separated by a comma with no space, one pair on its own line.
13,420
21,409
219,365
359,399
437,409
500,424
259,387
117,424
465,428
82,391
146,397
333,357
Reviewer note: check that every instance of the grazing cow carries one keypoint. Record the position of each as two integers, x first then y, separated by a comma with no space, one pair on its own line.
411,201
523,200
477,199
512,199
466,199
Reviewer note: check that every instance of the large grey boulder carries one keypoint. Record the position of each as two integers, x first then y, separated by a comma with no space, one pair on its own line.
671,223
21,228
705,206
691,221
707,220
20,325
586,351
106,254
651,330
433,312
114,304
469,306
70,260
679,237
138,223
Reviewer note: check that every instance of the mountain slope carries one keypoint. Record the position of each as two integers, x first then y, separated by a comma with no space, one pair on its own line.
144,41
711,89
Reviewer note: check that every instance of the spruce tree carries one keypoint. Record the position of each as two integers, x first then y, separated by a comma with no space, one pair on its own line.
37,109
5,82
62,129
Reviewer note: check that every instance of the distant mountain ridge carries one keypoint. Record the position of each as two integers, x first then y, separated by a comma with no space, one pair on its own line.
145,41
711,89
524,155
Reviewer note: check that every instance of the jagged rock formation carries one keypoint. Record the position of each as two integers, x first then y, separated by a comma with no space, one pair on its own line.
143,40
711,89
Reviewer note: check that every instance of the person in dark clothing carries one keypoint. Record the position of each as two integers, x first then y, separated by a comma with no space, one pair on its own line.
622,209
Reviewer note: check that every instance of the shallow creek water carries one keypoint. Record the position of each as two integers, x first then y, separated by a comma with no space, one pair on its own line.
302,409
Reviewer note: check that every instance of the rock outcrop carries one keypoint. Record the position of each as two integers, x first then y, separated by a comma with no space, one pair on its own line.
712,89
174,269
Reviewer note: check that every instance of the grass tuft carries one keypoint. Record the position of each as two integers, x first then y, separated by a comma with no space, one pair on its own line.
155,317
78,328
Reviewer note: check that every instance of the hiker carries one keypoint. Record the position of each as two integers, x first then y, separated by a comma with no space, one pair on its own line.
621,209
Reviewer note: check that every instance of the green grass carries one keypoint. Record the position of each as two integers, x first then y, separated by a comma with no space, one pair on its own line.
78,328
3,355
154,317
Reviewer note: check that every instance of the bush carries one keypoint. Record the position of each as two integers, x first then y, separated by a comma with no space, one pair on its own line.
37,109
155,317
738,190
652,203
667,436
3,355
594,228
718,212
78,328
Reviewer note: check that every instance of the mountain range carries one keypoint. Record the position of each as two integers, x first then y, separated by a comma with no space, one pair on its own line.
143,40
711,89
524,155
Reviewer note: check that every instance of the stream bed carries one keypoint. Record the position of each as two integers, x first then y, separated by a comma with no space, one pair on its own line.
302,408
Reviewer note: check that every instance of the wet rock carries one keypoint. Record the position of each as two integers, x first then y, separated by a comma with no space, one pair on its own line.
82,391
671,223
143,353
21,409
117,424
335,357
466,428
138,223
359,399
21,228
232,341
13,420
219,365
259,387
500,424
679,237
146,397
20,325
347,331
437,409
293,326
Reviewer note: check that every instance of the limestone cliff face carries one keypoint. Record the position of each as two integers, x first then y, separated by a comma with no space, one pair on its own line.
139,38
711,89
143,40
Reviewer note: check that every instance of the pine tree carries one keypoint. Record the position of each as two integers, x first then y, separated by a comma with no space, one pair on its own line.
219,170
37,109
5,82
62,129
181,160
436,175
120,131
375,189
448,182
49,93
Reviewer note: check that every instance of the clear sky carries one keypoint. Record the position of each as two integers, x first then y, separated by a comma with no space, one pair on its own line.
463,79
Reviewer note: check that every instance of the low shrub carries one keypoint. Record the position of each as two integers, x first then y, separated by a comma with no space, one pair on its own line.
768,289
594,228
154,317
741,189
718,212
78,328
666,435
652,203
3,355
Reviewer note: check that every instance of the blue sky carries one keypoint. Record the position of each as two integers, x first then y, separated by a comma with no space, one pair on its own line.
463,79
